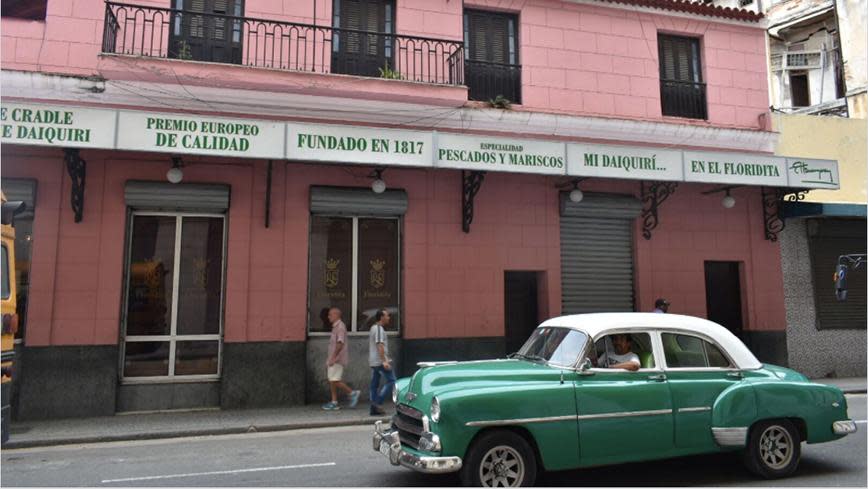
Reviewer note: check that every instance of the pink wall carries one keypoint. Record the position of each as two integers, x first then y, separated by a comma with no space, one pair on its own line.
577,58
453,282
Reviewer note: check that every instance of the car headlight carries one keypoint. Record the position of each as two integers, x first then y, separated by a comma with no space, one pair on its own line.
435,410
395,395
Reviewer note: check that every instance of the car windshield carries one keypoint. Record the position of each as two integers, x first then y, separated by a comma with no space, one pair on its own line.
558,346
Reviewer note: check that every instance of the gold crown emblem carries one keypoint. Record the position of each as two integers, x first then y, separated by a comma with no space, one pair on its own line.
378,264
332,263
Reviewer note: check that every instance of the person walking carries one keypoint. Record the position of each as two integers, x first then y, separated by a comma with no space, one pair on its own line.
378,359
336,362
661,306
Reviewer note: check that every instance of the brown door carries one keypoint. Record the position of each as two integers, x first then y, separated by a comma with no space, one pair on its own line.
521,308
723,294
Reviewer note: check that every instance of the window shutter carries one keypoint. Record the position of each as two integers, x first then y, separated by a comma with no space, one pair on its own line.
679,59
489,37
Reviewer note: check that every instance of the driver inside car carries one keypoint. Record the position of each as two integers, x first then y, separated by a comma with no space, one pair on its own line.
622,357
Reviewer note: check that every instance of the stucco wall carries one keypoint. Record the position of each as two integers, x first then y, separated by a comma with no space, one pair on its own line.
813,352
578,58
836,138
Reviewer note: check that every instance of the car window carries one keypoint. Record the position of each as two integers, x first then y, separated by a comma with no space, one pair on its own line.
605,352
559,346
716,358
5,273
685,351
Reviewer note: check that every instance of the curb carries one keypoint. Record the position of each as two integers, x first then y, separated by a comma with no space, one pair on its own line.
13,445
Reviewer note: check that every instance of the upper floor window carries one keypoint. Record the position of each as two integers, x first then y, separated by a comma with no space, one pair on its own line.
24,9
364,42
214,36
682,92
492,65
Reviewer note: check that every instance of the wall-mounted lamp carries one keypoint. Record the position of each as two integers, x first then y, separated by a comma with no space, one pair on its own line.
175,174
728,201
576,195
378,185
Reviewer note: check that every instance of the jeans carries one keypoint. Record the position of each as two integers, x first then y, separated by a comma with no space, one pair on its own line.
378,394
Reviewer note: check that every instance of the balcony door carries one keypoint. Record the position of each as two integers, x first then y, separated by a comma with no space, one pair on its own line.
215,35
363,44
491,66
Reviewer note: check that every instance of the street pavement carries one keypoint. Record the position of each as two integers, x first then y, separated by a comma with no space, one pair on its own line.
342,456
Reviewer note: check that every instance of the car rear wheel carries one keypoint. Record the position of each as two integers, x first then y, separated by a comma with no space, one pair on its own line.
499,459
773,449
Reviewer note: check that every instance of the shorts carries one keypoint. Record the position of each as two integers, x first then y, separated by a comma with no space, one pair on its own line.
336,372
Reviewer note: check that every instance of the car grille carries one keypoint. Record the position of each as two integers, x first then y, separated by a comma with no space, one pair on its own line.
408,422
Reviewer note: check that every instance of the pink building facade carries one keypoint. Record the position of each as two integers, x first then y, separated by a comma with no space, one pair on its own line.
538,158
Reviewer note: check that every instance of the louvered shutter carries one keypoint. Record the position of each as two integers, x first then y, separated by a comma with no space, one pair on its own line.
597,253
207,37
679,58
827,240
489,36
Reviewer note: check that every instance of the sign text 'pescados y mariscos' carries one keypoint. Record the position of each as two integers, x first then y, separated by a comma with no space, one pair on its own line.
503,154
467,152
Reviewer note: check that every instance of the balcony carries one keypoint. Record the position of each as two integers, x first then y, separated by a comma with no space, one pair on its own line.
485,81
156,32
683,99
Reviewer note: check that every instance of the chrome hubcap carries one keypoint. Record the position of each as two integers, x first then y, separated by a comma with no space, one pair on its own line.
502,466
776,447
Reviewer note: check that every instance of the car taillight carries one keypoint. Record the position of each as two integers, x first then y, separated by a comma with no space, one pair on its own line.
10,323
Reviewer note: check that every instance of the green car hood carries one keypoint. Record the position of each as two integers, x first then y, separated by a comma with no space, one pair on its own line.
440,379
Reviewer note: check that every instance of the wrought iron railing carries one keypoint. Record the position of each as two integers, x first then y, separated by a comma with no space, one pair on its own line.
485,81
683,99
159,32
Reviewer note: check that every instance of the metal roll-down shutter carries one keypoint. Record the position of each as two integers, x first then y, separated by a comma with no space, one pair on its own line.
346,201
597,253
186,197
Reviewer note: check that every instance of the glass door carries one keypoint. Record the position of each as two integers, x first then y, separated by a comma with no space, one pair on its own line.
173,312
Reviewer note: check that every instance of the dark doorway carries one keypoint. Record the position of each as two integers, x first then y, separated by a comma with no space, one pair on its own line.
800,91
723,294
521,308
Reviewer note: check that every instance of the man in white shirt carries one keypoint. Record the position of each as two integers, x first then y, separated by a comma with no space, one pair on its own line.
623,356
378,359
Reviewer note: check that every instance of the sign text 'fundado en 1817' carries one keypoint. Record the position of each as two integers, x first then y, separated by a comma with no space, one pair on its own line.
173,133
48,125
499,154
364,145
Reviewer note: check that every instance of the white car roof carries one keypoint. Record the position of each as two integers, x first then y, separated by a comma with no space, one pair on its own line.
597,323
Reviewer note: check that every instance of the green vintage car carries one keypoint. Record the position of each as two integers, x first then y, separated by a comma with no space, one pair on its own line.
575,396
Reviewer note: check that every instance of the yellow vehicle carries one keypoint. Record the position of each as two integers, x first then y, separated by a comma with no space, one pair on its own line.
10,318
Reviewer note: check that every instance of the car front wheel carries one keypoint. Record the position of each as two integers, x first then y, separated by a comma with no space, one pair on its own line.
773,449
499,459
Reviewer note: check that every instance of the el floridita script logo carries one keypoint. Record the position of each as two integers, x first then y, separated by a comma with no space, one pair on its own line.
332,274
378,274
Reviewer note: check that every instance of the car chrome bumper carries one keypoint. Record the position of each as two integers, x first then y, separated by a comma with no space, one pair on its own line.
386,441
844,427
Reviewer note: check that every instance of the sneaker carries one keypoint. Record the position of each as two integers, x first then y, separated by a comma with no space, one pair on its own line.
354,398
377,410
331,406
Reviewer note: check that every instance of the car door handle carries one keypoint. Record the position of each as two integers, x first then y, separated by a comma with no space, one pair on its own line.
657,377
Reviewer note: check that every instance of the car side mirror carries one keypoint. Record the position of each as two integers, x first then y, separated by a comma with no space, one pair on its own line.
585,367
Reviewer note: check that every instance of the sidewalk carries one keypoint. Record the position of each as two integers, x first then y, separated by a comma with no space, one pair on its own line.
140,426
25,434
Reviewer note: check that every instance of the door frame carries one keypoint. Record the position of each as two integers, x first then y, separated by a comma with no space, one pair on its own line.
172,337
